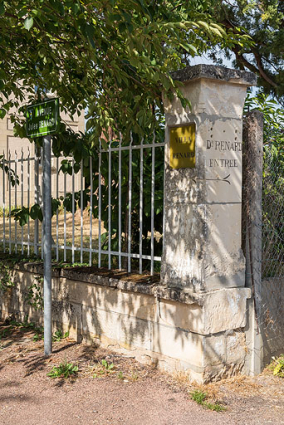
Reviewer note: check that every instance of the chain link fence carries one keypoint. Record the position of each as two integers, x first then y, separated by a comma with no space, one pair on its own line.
273,216
263,232
273,253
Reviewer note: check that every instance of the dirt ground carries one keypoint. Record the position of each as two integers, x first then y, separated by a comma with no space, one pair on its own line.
112,389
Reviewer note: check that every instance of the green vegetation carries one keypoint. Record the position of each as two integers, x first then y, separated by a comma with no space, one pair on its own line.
120,375
273,182
278,366
63,370
34,296
113,56
103,369
11,324
6,281
200,398
262,21
58,336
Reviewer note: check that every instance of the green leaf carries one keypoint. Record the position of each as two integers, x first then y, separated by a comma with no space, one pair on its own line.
36,212
28,23
2,8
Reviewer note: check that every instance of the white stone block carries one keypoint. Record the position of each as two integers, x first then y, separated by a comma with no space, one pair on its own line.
225,309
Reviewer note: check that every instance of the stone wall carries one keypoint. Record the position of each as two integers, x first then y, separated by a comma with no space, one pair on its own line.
202,334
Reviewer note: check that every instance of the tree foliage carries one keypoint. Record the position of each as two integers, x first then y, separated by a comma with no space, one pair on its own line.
113,56
263,21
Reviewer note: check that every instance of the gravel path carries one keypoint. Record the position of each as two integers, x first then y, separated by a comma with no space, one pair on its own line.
127,394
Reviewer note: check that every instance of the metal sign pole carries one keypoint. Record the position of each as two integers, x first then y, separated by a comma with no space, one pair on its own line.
47,245
43,119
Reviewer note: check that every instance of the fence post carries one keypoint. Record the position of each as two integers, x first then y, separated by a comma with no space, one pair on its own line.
252,239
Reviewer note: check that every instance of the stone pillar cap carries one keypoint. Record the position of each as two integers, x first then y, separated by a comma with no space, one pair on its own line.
219,73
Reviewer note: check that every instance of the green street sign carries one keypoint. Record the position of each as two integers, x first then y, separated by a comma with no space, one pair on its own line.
42,119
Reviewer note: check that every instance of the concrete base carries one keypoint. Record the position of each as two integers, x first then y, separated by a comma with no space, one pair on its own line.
203,336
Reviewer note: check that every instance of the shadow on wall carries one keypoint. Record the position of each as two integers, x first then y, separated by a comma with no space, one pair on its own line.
154,329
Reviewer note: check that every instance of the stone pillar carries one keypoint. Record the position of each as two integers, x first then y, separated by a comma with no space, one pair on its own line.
202,257
203,183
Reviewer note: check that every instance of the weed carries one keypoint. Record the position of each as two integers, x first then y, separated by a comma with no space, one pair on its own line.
58,336
64,370
34,295
108,366
37,337
134,376
278,366
120,375
215,406
25,326
6,281
200,398
104,369
5,332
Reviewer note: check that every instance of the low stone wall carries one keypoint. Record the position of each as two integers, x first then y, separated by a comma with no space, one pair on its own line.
172,328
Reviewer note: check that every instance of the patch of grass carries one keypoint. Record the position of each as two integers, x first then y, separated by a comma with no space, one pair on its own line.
63,370
215,406
200,398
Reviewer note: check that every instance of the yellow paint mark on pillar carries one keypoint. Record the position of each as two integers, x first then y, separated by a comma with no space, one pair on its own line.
182,147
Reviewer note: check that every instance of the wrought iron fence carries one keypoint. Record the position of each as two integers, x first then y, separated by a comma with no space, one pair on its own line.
109,209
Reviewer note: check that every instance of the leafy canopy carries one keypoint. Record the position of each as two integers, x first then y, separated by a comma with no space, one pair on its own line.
263,21
113,55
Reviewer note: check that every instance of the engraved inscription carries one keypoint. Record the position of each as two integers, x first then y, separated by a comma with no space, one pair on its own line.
223,163
224,145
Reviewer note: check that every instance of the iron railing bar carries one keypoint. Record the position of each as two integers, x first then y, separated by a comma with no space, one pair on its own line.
141,208
29,185
9,180
126,148
22,197
91,210
3,204
109,204
64,219
100,204
16,202
152,206
129,201
57,214
119,202
73,212
81,215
